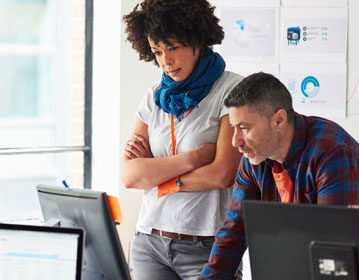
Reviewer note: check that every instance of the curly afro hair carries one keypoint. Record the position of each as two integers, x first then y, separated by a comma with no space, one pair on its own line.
188,22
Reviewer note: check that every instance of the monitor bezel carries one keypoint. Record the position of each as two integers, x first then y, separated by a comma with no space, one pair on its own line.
109,237
279,235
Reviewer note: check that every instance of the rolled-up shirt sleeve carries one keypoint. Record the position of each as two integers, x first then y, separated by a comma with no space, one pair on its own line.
230,243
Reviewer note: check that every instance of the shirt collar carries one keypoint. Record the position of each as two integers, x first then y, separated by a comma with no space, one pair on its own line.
298,142
297,145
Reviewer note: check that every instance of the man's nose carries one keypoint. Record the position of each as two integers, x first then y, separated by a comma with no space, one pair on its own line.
237,139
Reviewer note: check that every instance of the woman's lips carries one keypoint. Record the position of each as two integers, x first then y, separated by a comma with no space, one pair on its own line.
173,72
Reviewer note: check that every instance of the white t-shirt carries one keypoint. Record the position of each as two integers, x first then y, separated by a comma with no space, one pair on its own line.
195,213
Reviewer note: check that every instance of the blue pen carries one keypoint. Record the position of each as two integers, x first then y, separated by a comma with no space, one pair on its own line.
65,184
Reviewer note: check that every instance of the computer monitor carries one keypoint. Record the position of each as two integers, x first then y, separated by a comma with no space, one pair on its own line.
103,255
39,252
301,241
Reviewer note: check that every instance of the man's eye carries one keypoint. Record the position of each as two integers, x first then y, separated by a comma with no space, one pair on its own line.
172,48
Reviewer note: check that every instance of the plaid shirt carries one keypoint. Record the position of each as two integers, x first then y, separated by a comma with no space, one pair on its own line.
322,163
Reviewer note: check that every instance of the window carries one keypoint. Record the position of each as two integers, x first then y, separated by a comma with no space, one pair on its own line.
45,130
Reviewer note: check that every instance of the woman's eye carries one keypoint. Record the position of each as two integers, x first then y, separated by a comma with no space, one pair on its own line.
156,53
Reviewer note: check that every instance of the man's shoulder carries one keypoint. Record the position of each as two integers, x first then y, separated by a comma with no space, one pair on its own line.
324,130
324,137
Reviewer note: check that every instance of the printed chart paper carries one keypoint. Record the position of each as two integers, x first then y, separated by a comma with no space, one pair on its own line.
250,3
316,89
314,34
315,3
250,33
245,68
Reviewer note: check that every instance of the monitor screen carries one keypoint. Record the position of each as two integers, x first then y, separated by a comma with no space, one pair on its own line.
39,252
103,255
301,241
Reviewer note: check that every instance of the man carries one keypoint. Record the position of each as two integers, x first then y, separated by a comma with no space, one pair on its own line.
287,157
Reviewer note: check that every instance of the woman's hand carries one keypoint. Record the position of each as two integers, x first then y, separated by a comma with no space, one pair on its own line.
205,154
138,147
220,172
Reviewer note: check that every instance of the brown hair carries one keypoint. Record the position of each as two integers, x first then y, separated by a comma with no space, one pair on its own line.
264,93
188,22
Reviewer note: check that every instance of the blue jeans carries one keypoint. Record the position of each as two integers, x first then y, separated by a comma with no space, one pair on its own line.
158,258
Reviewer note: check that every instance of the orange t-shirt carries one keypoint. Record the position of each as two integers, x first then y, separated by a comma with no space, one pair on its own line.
284,183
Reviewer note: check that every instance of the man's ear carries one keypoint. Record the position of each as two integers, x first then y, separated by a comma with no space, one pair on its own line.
280,119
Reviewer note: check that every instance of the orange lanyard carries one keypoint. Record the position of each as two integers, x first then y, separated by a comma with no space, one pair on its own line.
173,138
172,185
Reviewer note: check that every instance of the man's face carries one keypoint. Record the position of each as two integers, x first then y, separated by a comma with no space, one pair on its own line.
254,136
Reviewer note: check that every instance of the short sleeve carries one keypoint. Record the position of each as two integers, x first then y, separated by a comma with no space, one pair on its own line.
227,83
223,111
146,106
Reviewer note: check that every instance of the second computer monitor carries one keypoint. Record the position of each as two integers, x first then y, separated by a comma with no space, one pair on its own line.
302,241
103,255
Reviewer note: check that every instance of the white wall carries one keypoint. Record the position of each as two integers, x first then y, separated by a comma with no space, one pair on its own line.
106,95
352,120
136,77
120,80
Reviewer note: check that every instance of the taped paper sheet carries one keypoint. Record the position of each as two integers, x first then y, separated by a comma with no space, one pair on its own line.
317,89
314,35
250,33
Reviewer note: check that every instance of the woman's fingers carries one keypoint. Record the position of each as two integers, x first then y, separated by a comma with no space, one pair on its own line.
134,149
144,143
129,154
142,140
138,147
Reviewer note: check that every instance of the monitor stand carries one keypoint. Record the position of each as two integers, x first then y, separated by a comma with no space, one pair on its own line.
92,275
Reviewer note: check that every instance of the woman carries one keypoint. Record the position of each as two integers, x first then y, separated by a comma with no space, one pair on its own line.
180,152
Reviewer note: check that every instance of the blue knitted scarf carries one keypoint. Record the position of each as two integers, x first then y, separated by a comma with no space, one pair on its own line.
176,98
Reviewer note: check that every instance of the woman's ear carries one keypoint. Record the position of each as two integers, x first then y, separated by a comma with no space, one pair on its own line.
197,50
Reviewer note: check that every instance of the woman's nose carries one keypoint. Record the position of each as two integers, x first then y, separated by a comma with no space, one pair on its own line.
167,59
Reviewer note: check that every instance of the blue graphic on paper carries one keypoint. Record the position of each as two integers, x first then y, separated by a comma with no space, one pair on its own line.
310,86
291,86
293,35
240,22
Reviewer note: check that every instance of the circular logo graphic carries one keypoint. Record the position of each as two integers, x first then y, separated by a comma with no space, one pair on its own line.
310,86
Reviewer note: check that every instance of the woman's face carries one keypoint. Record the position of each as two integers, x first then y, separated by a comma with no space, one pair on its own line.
177,61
